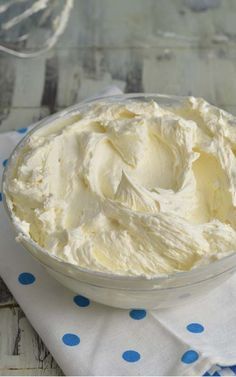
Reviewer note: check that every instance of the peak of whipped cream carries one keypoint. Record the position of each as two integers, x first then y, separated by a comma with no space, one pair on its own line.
131,189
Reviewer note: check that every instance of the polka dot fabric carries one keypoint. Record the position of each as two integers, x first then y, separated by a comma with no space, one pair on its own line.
195,328
71,340
81,301
26,278
131,356
22,130
138,314
189,357
90,339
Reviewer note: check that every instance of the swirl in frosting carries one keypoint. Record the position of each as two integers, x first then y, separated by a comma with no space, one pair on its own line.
131,189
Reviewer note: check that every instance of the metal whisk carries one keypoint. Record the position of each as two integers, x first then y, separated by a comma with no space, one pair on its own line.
39,12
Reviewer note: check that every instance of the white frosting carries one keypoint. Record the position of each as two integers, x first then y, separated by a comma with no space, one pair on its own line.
133,189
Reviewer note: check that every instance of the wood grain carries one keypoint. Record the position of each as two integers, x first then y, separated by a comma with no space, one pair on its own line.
21,349
177,47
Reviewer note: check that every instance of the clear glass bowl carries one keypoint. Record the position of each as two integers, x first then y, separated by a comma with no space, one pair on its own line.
115,290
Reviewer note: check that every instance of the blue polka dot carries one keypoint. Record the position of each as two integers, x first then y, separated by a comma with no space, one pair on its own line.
5,162
22,130
71,340
137,314
0,197
189,357
131,356
26,278
195,327
81,301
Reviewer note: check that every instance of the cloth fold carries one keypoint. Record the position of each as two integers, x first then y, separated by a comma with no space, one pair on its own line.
86,338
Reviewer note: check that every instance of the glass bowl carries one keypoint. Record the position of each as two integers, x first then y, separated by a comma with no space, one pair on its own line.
110,289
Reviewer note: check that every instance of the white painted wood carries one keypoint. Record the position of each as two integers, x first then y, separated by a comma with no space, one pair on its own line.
208,73
30,372
129,23
29,82
21,349
21,117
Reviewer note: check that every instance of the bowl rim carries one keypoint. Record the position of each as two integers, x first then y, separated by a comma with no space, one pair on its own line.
66,114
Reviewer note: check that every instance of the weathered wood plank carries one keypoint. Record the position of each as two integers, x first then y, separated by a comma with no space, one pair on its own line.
20,345
22,117
7,80
95,51
201,72
31,372
75,74
25,83
6,298
29,82
205,73
21,349
166,23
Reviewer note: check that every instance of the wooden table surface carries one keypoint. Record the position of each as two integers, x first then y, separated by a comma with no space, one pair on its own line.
179,47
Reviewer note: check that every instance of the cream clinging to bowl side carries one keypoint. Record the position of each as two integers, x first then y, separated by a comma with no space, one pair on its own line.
130,188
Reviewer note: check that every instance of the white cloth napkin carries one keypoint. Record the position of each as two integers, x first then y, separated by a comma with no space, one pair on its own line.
86,338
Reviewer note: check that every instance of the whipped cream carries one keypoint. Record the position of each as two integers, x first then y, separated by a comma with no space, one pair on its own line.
132,189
